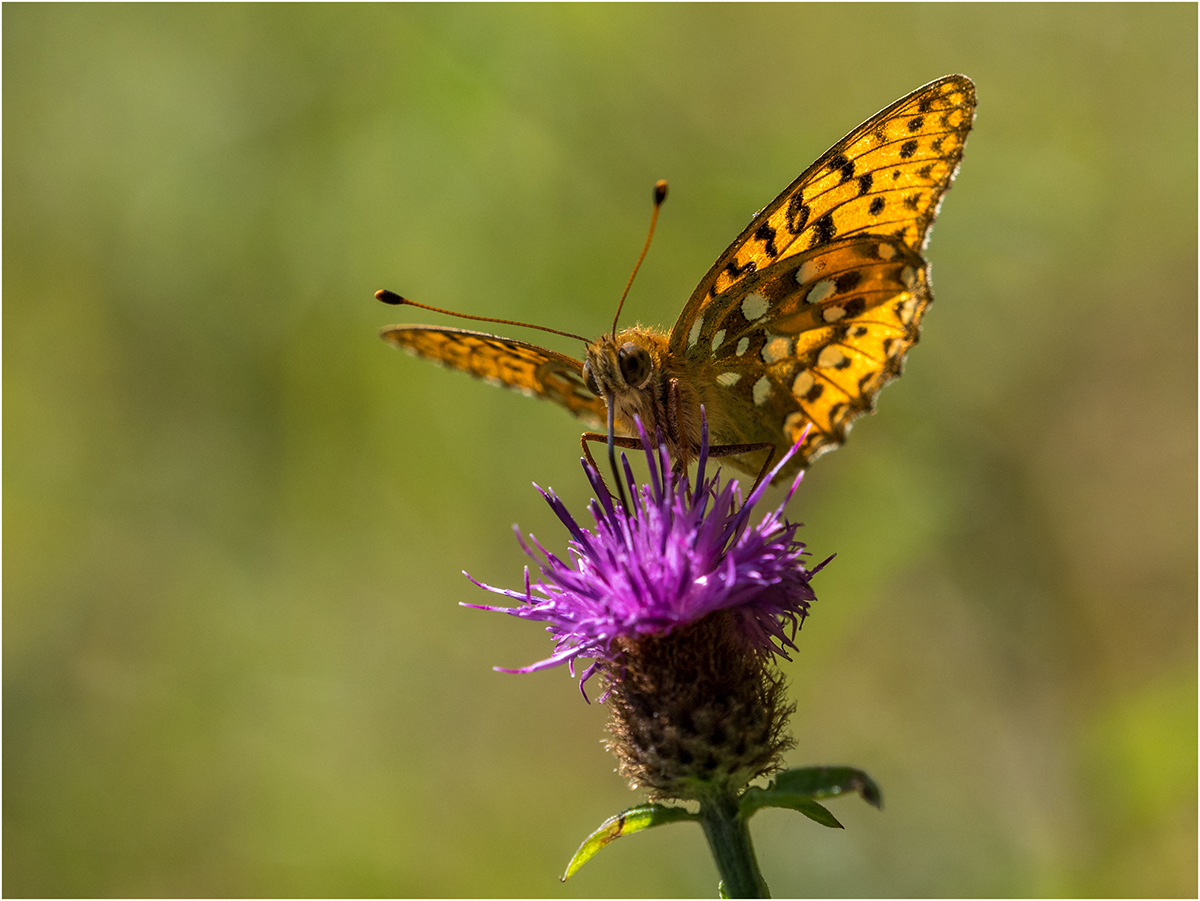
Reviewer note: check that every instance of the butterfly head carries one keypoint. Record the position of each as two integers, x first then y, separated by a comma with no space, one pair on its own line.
626,370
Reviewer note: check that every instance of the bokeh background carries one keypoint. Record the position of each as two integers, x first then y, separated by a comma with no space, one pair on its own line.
234,660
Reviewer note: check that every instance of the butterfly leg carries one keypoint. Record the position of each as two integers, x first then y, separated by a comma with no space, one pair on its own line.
673,410
679,467
618,441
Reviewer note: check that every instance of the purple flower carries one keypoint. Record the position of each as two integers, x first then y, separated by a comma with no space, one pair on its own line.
678,556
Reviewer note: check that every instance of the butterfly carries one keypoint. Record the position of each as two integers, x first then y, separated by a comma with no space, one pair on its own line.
797,325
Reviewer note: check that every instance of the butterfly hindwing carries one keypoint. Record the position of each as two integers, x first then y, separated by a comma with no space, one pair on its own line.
535,371
810,339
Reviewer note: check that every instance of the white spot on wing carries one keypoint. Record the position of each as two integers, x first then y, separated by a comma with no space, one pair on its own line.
762,390
743,345
821,291
833,314
694,334
803,384
728,379
808,270
718,338
886,251
908,310
908,275
754,306
830,357
777,349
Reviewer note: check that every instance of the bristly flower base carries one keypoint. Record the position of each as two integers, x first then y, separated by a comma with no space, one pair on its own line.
691,713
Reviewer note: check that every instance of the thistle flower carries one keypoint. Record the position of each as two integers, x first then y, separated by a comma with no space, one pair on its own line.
682,605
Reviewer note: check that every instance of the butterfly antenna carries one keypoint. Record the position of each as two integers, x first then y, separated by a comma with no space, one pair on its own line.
396,300
660,194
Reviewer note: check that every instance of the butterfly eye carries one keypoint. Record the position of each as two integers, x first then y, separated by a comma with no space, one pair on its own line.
635,364
589,379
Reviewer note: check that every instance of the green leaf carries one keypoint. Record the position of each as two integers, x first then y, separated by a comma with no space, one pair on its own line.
754,798
829,782
633,820
798,790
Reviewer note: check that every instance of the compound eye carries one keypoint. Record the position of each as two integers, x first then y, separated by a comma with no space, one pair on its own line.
589,379
635,364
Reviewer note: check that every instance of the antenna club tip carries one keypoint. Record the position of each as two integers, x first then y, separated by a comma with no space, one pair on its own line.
660,191
387,296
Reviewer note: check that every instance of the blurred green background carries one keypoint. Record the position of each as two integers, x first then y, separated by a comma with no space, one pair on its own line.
234,660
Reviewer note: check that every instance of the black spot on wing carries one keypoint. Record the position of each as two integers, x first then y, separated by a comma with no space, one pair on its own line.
824,230
797,214
766,234
847,281
876,206
907,149
844,165
854,307
733,270
864,183
837,413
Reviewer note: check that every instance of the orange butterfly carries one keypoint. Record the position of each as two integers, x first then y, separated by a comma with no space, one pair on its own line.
800,322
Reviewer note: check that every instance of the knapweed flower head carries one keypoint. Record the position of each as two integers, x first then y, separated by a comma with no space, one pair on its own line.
682,605
677,556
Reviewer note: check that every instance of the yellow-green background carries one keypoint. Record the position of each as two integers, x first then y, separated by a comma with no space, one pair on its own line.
234,660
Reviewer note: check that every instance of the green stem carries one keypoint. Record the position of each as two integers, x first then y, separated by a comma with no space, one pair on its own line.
729,840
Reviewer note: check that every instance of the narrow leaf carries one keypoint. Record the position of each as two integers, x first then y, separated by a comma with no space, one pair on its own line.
754,798
828,782
633,820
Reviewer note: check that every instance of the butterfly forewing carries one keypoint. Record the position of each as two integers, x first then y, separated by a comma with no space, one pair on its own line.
886,177
535,371
811,310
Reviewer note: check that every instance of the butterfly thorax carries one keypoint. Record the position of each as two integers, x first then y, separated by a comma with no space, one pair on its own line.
633,373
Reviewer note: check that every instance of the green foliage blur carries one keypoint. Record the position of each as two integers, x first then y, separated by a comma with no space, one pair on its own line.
234,660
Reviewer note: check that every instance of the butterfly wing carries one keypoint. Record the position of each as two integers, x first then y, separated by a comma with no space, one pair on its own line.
810,340
532,370
829,273
886,177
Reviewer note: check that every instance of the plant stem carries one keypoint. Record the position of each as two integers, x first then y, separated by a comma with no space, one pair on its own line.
729,840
